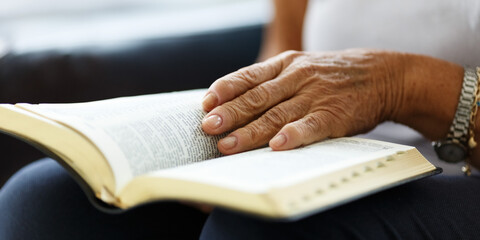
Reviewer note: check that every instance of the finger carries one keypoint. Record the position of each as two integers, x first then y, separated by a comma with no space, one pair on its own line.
235,84
311,128
247,107
260,131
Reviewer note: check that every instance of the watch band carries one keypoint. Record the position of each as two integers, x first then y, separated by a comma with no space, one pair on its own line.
461,121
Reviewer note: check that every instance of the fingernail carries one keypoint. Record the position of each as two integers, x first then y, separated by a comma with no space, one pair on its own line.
209,101
228,142
278,140
213,121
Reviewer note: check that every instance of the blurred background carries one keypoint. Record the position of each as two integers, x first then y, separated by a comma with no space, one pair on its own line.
28,25
71,51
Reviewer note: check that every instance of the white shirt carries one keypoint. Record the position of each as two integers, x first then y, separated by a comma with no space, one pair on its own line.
446,29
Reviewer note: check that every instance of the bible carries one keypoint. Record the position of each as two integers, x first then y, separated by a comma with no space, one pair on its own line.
130,151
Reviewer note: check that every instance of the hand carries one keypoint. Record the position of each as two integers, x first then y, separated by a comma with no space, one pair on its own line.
299,98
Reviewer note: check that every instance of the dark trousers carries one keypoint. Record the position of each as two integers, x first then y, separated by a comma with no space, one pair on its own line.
41,201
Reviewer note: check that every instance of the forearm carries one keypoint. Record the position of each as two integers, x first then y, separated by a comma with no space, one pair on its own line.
285,30
431,94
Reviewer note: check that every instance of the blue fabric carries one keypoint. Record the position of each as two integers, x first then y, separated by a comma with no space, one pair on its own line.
43,202
439,207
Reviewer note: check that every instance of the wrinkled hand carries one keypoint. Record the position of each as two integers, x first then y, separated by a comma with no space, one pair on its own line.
297,98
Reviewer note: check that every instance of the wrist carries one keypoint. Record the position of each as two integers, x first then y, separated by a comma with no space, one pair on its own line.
430,95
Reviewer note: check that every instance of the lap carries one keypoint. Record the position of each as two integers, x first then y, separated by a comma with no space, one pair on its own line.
439,207
42,201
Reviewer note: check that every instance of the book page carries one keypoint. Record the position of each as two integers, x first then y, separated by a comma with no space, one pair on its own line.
140,134
263,169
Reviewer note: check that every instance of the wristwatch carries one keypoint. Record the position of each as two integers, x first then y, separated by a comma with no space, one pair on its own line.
454,148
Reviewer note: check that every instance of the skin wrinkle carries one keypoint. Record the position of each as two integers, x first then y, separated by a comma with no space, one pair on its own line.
308,126
358,76
230,83
253,133
391,103
278,116
267,123
254,100
400,87
233,84
232,115
334,113
340,79
249,75
339,105
277,65
276,88
300,101
304,68
302,81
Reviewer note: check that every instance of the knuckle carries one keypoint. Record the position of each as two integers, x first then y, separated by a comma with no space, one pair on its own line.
336,119
253,133
276,117
333,120
312,123
302,104
257,67
314,126
289,55
307,68
262,92
255,99
249,74
232,113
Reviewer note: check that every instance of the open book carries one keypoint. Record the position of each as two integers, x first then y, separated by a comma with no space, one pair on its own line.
135,150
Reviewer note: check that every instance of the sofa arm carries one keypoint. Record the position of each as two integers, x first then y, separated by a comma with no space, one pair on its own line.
130,68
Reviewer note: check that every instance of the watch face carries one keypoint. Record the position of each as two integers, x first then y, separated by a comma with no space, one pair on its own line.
451,152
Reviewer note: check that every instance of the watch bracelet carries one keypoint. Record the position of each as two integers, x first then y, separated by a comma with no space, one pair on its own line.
460,126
